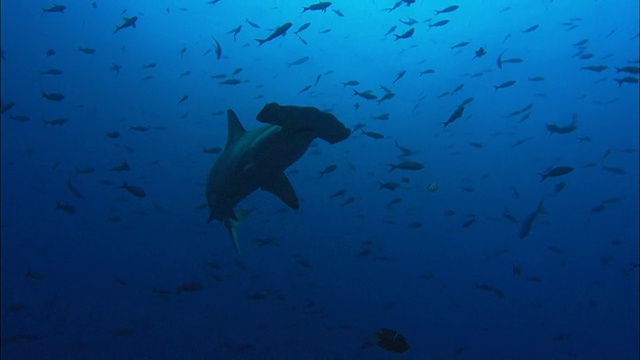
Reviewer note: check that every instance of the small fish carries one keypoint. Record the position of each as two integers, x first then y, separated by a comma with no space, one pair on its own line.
235,31
230,82
628,69
350,83
252,23
365,94
19,118
372,134
427,71
384,116
51,72
321,6
88,51
339,193
74,190
626,80
338,12
329,169
212,150
302,28
480,53
459,45
391,30
389,185
304,89
405,35
50,52
128,22
149,65
406,165
447,9
456,115
299,61
66,207
55,8
280,31
189,287
530,29
399,76
85,171
439,23
133,190
218,49
614,170
556,171
124,166
528,222
183,99
52,96
458,88
141,128
505,84
116,68
58,121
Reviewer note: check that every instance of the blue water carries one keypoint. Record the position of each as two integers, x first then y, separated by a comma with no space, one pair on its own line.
447,269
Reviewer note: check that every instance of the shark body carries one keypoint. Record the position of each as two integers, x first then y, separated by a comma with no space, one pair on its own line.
257,159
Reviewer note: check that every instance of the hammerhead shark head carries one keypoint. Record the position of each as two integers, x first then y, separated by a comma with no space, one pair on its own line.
257,159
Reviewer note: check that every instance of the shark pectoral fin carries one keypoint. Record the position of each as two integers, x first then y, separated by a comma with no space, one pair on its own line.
232,227
279,185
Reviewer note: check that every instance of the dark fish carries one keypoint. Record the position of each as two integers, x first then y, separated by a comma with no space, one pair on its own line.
598,208
218,49
149,66
563,130
88,51
439,23
189,287
280,31
458,88
480,52
212,150
116,68
392,29
614,170
85,171
406,35
128,22
252,23
530,29
66,207
365,94
581,42
306,88
386,96
55,8
428,71
74,190
58,121
528,222
456,115
322,6
447,9
595,68
626,80
235,31
339,193
182,51
141,128
460,44
19,118
50,52
51,72
124,166
559,187
536,78
507,215
299,61
301,28
391,340
183,99
399,76
8,106
350,83
329,169
388,185
556,171
372,134
628,69
338,12
230,82
133,190
52,96
406,165
186,73
505,84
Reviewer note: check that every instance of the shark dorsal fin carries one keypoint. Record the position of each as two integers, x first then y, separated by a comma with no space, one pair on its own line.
235,129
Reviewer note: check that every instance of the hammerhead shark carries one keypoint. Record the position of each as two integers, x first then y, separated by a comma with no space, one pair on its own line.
257,159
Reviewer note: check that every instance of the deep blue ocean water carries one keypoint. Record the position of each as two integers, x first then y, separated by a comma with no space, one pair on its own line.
106,274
